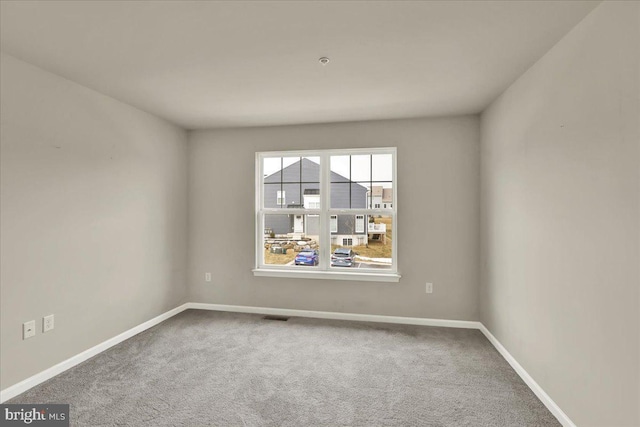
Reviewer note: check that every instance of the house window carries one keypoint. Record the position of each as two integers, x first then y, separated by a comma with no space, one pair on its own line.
385,206
323,200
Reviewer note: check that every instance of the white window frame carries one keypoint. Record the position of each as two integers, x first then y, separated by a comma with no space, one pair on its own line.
281,196
325,212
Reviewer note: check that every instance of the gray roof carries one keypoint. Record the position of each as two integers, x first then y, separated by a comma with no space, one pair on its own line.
307,172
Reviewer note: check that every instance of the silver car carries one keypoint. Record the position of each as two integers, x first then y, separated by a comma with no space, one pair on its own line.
343,257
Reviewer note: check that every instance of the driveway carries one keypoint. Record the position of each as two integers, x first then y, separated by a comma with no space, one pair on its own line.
370,265
360,264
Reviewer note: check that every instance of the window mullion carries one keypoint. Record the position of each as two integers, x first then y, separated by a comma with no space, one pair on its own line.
325,200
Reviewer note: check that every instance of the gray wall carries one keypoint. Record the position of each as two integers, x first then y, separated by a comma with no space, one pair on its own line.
93,217
438,211
560,219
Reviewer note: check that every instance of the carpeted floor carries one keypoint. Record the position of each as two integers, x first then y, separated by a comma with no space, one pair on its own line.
227,369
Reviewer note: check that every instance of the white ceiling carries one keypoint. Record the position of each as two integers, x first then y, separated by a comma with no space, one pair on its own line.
217,64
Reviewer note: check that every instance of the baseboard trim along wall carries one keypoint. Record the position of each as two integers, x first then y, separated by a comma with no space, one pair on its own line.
338,316
51,372
30,382
529,381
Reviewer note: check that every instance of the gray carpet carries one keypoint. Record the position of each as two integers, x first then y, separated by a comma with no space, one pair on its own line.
226,369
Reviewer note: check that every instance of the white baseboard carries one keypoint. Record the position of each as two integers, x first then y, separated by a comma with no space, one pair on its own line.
533,385
51,372
30,382
338,316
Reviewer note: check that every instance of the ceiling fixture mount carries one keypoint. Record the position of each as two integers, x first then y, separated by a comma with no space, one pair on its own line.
324,60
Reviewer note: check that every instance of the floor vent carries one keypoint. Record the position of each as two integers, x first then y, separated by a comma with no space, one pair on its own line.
280,318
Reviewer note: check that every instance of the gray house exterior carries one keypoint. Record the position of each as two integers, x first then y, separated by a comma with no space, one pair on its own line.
298,186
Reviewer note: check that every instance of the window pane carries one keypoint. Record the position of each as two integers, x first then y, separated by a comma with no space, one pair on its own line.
291,240
283,187
272,194
291,169
349,195
361,168
340,197
363,250
339,166
311,169
382,167
271,166
378,194
294,197
359,195
311,195
387,195
370,178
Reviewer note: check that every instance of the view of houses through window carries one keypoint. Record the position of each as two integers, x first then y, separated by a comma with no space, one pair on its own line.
356,217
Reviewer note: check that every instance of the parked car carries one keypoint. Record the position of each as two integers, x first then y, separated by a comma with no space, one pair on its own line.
343,257
307,257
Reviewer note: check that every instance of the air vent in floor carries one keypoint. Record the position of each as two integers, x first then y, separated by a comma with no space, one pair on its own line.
280,318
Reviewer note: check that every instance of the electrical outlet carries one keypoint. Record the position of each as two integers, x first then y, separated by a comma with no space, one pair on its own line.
429,288
207,277
28,329
47,323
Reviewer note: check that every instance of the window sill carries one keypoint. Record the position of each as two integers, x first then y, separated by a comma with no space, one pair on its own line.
327,275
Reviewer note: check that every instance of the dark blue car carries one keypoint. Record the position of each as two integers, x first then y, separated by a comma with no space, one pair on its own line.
307,257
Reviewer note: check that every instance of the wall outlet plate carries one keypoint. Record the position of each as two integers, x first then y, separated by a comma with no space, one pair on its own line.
429,288
28,329
207,277
47,323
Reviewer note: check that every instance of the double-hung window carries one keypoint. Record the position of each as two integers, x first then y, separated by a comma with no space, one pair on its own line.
331,223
